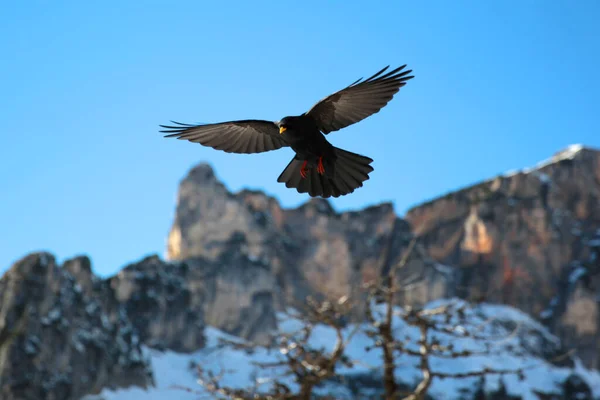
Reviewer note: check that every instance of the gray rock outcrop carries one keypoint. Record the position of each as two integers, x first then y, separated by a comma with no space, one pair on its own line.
56,341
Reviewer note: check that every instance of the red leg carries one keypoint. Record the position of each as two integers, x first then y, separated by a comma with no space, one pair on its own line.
304,170
320,168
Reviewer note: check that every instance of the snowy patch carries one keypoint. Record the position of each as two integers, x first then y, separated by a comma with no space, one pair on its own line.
32,345
511,173
53,316
105,322
91,308
567,154
443,268
515,339
577,274
78,346
544,178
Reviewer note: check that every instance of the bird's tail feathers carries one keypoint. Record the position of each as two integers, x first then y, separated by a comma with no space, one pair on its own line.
351,170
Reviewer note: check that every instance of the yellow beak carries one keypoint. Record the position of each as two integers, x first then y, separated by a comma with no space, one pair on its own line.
282,129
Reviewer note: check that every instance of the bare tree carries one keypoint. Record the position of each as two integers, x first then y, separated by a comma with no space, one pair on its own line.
310,367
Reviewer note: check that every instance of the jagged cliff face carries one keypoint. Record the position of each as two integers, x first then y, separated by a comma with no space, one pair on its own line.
65,333
57,341
528,239
310,250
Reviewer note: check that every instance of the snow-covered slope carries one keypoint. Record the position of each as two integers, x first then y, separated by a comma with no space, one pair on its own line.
514,340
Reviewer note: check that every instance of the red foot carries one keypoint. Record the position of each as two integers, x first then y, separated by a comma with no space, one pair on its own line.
304,170
320,168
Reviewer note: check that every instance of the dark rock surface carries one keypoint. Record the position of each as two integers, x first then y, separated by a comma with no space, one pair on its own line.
56,340
65,333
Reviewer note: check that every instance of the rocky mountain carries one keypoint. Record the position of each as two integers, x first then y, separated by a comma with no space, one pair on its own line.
529,239
59,342
535,231
309,250
528,347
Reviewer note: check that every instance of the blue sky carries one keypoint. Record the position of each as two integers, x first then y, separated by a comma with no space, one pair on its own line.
84,86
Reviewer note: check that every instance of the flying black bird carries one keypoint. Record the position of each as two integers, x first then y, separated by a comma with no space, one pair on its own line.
318,167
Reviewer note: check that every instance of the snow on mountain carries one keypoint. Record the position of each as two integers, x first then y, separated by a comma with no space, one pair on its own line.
512,340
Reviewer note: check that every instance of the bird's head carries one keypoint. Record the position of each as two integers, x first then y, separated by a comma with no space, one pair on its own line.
286,123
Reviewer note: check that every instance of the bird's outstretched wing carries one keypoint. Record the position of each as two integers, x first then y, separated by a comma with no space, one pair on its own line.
245,136
359,100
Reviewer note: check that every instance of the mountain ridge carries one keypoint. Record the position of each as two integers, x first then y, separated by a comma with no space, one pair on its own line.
476,232
236,259
566,153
